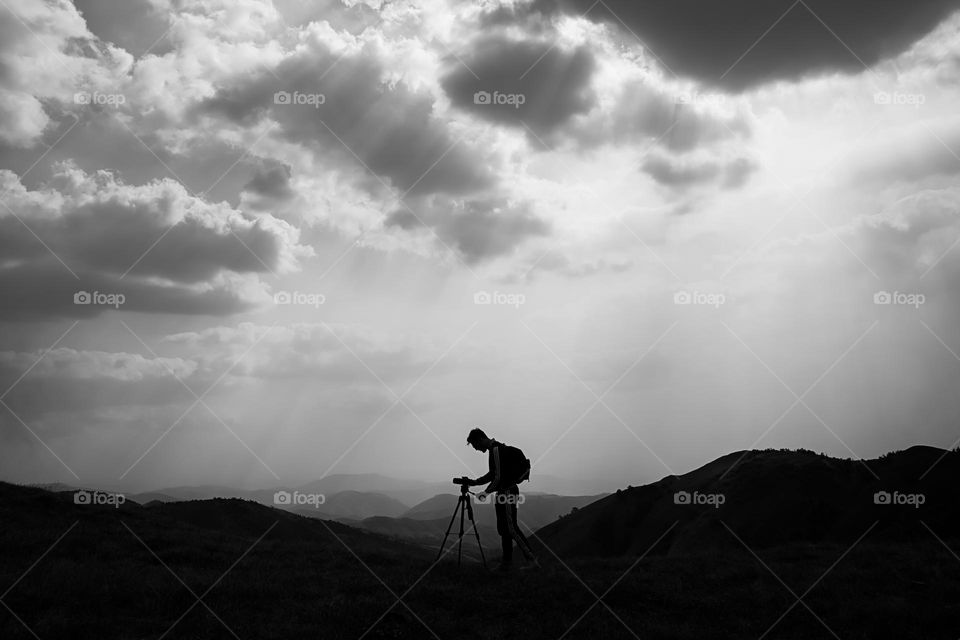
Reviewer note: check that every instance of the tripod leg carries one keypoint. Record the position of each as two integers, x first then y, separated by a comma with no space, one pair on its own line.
460,538
449,526
476,532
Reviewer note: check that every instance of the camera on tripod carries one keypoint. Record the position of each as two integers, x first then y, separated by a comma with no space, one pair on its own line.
466,513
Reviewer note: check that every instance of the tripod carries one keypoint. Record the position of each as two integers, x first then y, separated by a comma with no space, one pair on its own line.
465,507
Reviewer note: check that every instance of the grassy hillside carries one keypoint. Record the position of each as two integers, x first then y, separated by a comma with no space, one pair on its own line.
429,533
770,498
267,573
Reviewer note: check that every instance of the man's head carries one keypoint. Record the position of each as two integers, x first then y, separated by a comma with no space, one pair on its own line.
478,439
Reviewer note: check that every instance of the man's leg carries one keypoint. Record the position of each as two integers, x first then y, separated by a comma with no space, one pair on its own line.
503,528
515,531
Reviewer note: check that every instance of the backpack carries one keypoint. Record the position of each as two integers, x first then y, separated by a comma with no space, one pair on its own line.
514,466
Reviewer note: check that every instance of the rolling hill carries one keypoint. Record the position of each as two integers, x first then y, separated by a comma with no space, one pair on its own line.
230,568
357,505
769,498
429,534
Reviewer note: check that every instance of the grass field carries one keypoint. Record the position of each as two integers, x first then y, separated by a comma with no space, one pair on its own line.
116,573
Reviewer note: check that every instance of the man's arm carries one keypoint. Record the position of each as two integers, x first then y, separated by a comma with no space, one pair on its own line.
494,474
487,477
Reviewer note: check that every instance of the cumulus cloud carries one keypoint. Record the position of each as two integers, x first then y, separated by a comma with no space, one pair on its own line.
343,105
337,356
137,26
682,173
270,183
641,111
909,153
477,229
351,17
522,82
66,379
914,236
48,54
155,243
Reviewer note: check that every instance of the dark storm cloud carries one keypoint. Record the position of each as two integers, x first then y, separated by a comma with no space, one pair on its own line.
705,40
517,81
478,230
361,120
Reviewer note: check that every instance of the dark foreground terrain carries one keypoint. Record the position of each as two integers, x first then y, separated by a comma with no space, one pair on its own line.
237,569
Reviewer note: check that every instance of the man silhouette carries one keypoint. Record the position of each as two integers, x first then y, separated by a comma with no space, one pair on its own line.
508,467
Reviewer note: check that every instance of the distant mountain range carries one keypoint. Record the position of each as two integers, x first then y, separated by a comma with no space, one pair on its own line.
354,498
426,522
770,498
767,498
536,510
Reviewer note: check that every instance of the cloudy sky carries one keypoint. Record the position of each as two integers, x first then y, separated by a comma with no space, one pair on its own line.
253,242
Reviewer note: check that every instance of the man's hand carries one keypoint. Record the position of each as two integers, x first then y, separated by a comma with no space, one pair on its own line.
482,496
